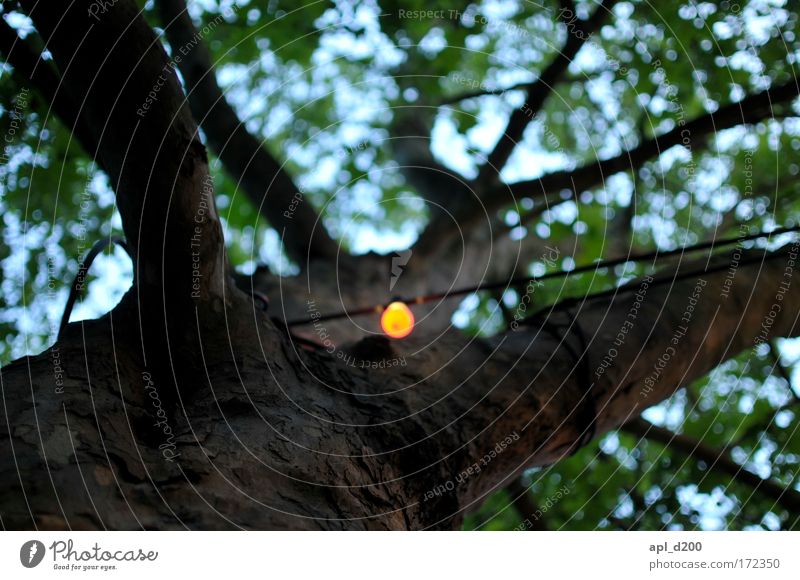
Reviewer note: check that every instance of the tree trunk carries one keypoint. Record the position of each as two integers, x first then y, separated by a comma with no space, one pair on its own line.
264,434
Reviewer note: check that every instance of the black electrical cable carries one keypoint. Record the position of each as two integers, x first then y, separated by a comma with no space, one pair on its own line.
665,280
77,283
512,283
524,280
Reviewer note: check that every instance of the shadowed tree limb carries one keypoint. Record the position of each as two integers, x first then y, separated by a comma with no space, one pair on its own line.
443,186
555,188
438,185
578,32
245,157
150,148
28,63
692,134
635,380
717,459
504,404
522,500
790,405
153,155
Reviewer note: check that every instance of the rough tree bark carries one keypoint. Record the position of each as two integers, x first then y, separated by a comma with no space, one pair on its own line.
236,425
275,437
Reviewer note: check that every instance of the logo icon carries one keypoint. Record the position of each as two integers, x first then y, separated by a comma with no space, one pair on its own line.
31,553
398,263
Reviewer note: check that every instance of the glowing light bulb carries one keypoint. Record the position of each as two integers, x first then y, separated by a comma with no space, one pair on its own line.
397,320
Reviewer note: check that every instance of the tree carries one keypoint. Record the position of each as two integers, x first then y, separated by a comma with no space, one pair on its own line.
189,405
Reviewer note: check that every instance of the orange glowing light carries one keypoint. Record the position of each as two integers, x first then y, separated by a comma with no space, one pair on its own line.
397,321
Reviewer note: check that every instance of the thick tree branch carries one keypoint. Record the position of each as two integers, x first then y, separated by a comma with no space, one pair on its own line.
691,135
790,405
560,186
438,185
265,180
626,377
411,445
147,142
28,64
717,460
578,32
466,211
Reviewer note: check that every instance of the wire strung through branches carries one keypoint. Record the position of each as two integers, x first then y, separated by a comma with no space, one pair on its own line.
101,245
524,280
